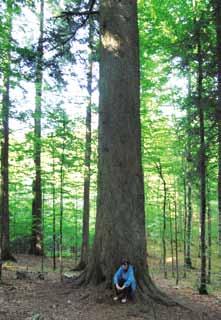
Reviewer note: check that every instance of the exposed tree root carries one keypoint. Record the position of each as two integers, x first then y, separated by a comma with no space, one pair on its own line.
147,288
159,297
79,280
146,292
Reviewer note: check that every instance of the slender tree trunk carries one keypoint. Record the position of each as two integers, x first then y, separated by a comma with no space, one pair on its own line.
180,224
209,234
188,260
160,171
53,205
189,227
76,227
87,162
4,199
0,270
185,227
171,239
202,170
62,201
120,224
217,7
42,239
176,241
36,247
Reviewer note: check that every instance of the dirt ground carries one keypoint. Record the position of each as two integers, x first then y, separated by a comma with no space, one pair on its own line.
51,299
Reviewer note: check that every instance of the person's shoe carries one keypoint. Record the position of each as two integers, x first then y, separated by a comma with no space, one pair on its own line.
115,298
124,300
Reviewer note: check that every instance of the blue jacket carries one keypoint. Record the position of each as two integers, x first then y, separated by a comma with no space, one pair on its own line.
128,276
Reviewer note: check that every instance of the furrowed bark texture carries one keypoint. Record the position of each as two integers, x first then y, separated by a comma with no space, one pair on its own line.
120,223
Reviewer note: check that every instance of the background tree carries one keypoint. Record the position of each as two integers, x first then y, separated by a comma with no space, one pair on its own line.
36,244
87,157
6,68
217,9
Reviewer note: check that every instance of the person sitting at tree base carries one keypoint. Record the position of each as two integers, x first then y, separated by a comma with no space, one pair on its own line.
124,282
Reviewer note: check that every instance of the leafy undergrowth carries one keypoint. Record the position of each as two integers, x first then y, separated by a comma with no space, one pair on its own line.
48,299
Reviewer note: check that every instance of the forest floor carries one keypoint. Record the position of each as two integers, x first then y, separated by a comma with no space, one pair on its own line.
51,299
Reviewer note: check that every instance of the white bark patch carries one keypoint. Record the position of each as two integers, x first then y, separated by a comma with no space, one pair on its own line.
111,42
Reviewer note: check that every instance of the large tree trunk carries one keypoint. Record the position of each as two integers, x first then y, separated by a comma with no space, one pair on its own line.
36,245
218,33
120,224
4,200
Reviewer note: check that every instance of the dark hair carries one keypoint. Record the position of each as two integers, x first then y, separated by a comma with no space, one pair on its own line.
125,261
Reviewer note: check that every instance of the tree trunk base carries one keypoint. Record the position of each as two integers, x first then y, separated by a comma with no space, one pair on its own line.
202,290
147,296
146,288
36,252
188,264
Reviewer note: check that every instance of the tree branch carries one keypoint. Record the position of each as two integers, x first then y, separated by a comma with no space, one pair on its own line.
66,14
87,13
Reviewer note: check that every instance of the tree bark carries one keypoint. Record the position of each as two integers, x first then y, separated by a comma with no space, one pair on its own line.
188,260
202,167
171,240
4,199
176,240
217,7
36,245
0,271
76,227
53,204
120,224
209,234
160,171
189,225
185,227
62,197
42,239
